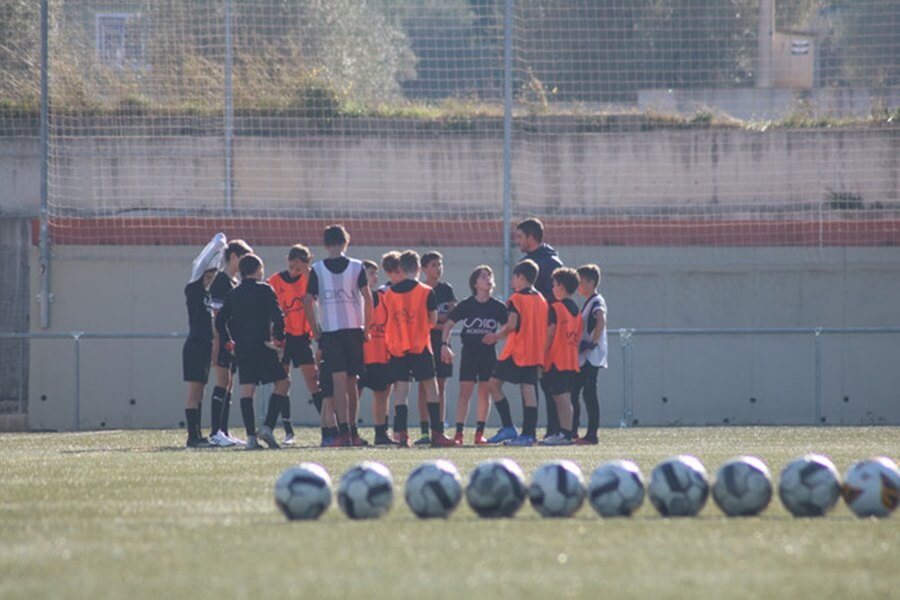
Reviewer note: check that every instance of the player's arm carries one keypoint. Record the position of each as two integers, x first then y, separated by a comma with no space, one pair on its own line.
309,309
551,331
223,315
600,316
276,316
367,307
446,350
432,309
510,326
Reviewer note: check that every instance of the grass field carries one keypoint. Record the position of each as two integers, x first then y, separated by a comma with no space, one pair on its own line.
131,514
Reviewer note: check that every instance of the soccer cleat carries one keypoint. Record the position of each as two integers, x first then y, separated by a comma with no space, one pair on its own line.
252,443
288,440
458,438
221,440
237,441
587,441
425,440
198,443
439,440
265,434
480,440
385,441
343,440
522,440
326,441
402,440
503,434
556,440
355,440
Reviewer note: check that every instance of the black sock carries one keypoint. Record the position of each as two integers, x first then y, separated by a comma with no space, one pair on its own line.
552,416
199,418
479,427
325,432
505,416
529,424
380,432
460,427
248,415
387,421
400,414
192,422
576,413
354,431
226,412
215,417
273,410
434,415
423,425
567,433
343,429
333,431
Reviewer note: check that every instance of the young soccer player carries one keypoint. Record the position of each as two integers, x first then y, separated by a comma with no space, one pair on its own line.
225,281
480,315
338,306
593,350
561,352
375,354
248,322
433,269
526,332
411,313
290,287
197,351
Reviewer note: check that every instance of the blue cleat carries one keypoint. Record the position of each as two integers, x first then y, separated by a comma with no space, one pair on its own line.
503,434
522,440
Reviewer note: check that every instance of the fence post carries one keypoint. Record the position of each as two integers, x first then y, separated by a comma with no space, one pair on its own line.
229,112
44,298
76,336
507,144
818,368
627,377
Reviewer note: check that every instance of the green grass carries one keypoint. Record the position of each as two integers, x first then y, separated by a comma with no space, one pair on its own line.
133,515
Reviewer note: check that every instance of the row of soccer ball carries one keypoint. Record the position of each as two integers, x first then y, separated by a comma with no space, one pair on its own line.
808,486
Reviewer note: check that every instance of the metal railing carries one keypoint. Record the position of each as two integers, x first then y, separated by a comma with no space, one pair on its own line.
626,337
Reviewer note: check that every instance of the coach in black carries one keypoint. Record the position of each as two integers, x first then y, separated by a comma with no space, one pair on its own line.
249,320
529,237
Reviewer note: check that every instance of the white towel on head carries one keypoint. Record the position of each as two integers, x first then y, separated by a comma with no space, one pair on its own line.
210,258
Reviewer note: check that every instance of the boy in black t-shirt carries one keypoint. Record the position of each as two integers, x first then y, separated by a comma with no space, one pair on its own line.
480,314
432,264
248,322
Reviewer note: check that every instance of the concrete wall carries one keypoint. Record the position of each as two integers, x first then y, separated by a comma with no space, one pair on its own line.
555,171
14,317
703,379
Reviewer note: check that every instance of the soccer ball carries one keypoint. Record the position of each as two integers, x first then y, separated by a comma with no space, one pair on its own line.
496,488
557,489
303,491
809,486
616,489
366,491
872,487
433,489
679,486
743,487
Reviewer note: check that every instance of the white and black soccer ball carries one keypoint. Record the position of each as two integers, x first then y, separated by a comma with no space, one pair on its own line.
433,489
809,486
616,489
679,486
303,491
496,488
743,487
872,487
366,491
557,489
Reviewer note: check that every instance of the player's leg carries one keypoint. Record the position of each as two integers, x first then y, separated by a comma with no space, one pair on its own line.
507,430
277,401
423,440
247,391
438,439
591,403
530,414
462,408
483,411
576,402
552,415
192,414
400,397
353,396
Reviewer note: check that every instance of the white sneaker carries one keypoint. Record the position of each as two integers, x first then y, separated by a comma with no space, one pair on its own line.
556,440
288,440
252,443
221,440
265,434
234,440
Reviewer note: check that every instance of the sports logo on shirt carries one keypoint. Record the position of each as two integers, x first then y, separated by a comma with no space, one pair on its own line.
479,325
340,296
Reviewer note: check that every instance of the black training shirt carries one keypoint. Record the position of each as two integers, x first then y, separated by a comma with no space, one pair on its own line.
200,320
220,287
478,318
250,316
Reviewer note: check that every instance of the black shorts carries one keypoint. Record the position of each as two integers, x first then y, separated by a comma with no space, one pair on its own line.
510,372
326,382
442,370
343,351
477,363
195,360
412,366
377,377
556,382
260,367
297,351
225,359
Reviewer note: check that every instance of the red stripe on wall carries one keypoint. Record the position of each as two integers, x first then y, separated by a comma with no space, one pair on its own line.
193,231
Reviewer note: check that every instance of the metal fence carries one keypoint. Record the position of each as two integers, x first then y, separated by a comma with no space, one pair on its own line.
628,342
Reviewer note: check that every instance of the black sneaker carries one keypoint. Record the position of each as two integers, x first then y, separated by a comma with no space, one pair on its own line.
198,443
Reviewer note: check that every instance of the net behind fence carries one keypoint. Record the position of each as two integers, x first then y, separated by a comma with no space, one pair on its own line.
635,122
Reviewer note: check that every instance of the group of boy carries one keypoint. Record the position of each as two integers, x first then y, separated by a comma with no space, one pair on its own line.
384,337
